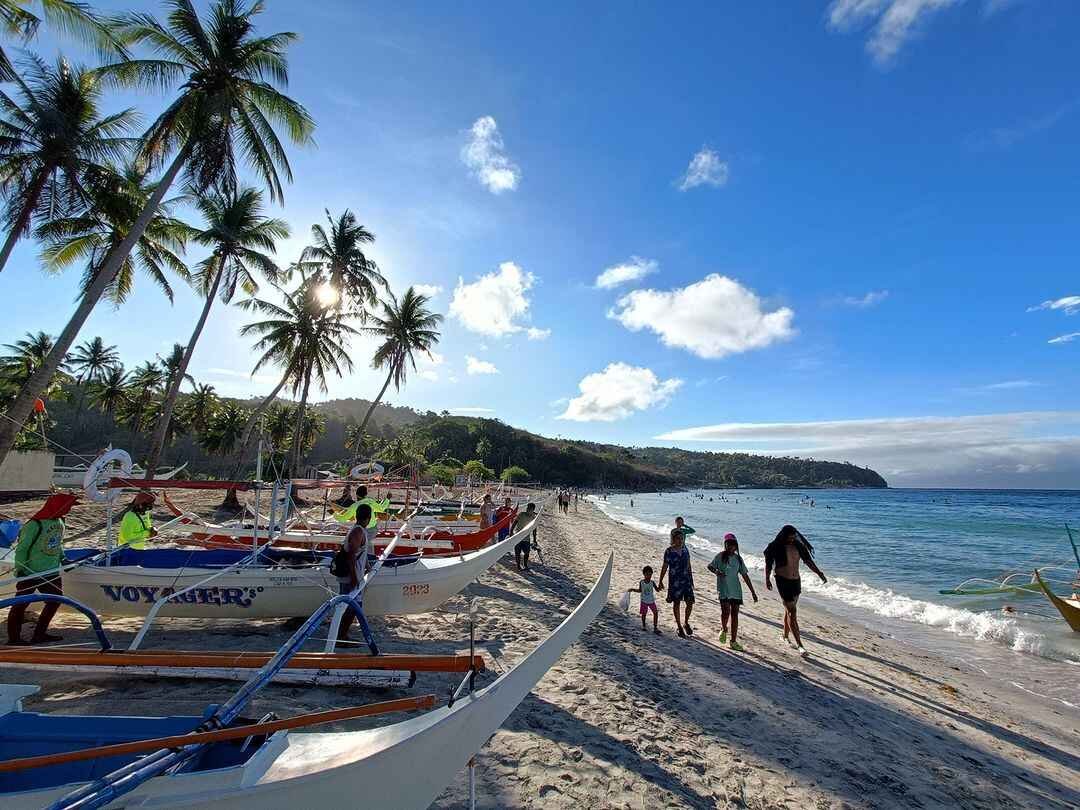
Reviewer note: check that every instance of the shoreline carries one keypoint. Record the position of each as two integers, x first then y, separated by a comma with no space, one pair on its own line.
627,719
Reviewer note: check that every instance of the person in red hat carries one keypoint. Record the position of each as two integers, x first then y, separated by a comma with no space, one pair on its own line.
137,525
40,551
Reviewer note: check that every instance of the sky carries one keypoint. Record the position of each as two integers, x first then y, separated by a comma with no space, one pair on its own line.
844,230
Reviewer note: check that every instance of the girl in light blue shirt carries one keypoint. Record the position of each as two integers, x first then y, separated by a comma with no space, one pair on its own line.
728,566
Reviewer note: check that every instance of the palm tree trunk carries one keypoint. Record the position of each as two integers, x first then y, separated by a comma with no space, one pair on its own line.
245,438
298,431
19,411
157,442
375,404
23,222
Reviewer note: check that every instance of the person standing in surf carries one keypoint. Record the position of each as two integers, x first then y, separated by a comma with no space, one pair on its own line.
784,554
681,583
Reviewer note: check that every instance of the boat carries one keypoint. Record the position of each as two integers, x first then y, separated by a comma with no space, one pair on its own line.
402,765
275,583
1067,606
71,476
1007,585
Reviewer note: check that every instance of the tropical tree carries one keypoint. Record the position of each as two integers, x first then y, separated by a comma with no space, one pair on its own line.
405,328
338,260
228,103
199,407
308,339
117,198
357,440
110,392
278,423
223,431
26,356
67,16
240,239
514,473
54,139
171,365
404,451
476,469
92,360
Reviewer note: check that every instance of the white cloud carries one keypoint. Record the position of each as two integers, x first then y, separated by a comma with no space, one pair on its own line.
617,392
711,318
633,270
486,157
426,364
1010,385
1005,137
538,334
430,290
705,169
475,366
1069,303
492,304
991,450
429,375
1069,338
892,22
870,299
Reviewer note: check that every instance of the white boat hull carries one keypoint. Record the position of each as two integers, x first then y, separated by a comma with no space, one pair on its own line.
273,592
400,766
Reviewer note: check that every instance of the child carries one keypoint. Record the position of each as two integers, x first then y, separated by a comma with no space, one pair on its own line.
647,588
728,567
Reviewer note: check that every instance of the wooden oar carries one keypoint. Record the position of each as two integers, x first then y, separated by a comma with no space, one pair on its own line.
238,733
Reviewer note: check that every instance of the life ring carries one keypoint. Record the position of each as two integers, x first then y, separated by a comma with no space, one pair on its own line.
91,481
367,468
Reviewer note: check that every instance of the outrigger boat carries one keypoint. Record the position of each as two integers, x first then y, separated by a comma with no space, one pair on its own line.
1067,606
221,763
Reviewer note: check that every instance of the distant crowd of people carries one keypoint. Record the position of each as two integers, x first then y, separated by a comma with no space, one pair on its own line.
783,558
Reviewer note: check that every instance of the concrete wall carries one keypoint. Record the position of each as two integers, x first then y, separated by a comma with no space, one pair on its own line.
31,470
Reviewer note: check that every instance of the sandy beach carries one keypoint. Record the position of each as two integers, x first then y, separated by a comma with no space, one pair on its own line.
630,720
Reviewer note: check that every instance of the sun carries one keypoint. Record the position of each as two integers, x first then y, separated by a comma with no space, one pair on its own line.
327,294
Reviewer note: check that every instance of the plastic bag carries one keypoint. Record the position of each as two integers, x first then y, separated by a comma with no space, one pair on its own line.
624,602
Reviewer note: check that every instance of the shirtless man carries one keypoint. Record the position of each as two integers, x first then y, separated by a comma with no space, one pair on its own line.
784,554
357,546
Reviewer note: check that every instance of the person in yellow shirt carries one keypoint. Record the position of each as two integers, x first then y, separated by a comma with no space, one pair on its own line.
348,515
137,524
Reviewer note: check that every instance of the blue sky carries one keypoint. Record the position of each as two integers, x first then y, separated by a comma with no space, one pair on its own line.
819,212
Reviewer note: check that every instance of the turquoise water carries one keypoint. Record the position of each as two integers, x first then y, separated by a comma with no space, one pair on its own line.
889,552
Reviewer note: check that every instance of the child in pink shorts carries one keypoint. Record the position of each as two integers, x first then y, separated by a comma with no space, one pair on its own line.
647,588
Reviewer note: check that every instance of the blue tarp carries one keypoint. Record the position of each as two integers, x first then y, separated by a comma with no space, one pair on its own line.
9,532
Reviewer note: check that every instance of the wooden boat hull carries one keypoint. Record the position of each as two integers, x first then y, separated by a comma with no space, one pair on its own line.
1068,608
404,765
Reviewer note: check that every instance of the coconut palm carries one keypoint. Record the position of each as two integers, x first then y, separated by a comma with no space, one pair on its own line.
240,239
67,16
92,360
170,367
54,138
223,431
90,235
337,258
25,356
228,104
111,391
278,423
405,328
306,338
199,407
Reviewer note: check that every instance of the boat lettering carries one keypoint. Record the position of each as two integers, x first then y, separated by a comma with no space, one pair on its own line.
420,589
241,597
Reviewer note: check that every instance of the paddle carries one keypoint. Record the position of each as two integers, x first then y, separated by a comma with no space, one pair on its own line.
238,733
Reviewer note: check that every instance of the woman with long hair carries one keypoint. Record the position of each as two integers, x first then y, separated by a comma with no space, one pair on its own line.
681,582
784,554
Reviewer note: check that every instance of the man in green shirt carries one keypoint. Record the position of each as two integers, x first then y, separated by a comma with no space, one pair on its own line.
348,515
40,551
137,524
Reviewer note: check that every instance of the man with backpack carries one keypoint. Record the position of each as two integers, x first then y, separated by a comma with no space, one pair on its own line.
40,550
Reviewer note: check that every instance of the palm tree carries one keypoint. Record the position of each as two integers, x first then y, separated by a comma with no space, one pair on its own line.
240,238
68,16
170,367
92,360
110,392
90,236
228,103
338,259
26,356
306,338
199,407
54,138
405,328
277,424
223,431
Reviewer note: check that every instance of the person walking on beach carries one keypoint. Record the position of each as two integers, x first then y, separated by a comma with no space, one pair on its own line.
647,588
681,583
784,554
728,566
500,514
522,547
351,562
38,555
487,511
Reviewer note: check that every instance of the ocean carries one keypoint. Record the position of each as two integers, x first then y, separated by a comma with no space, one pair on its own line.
888,553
